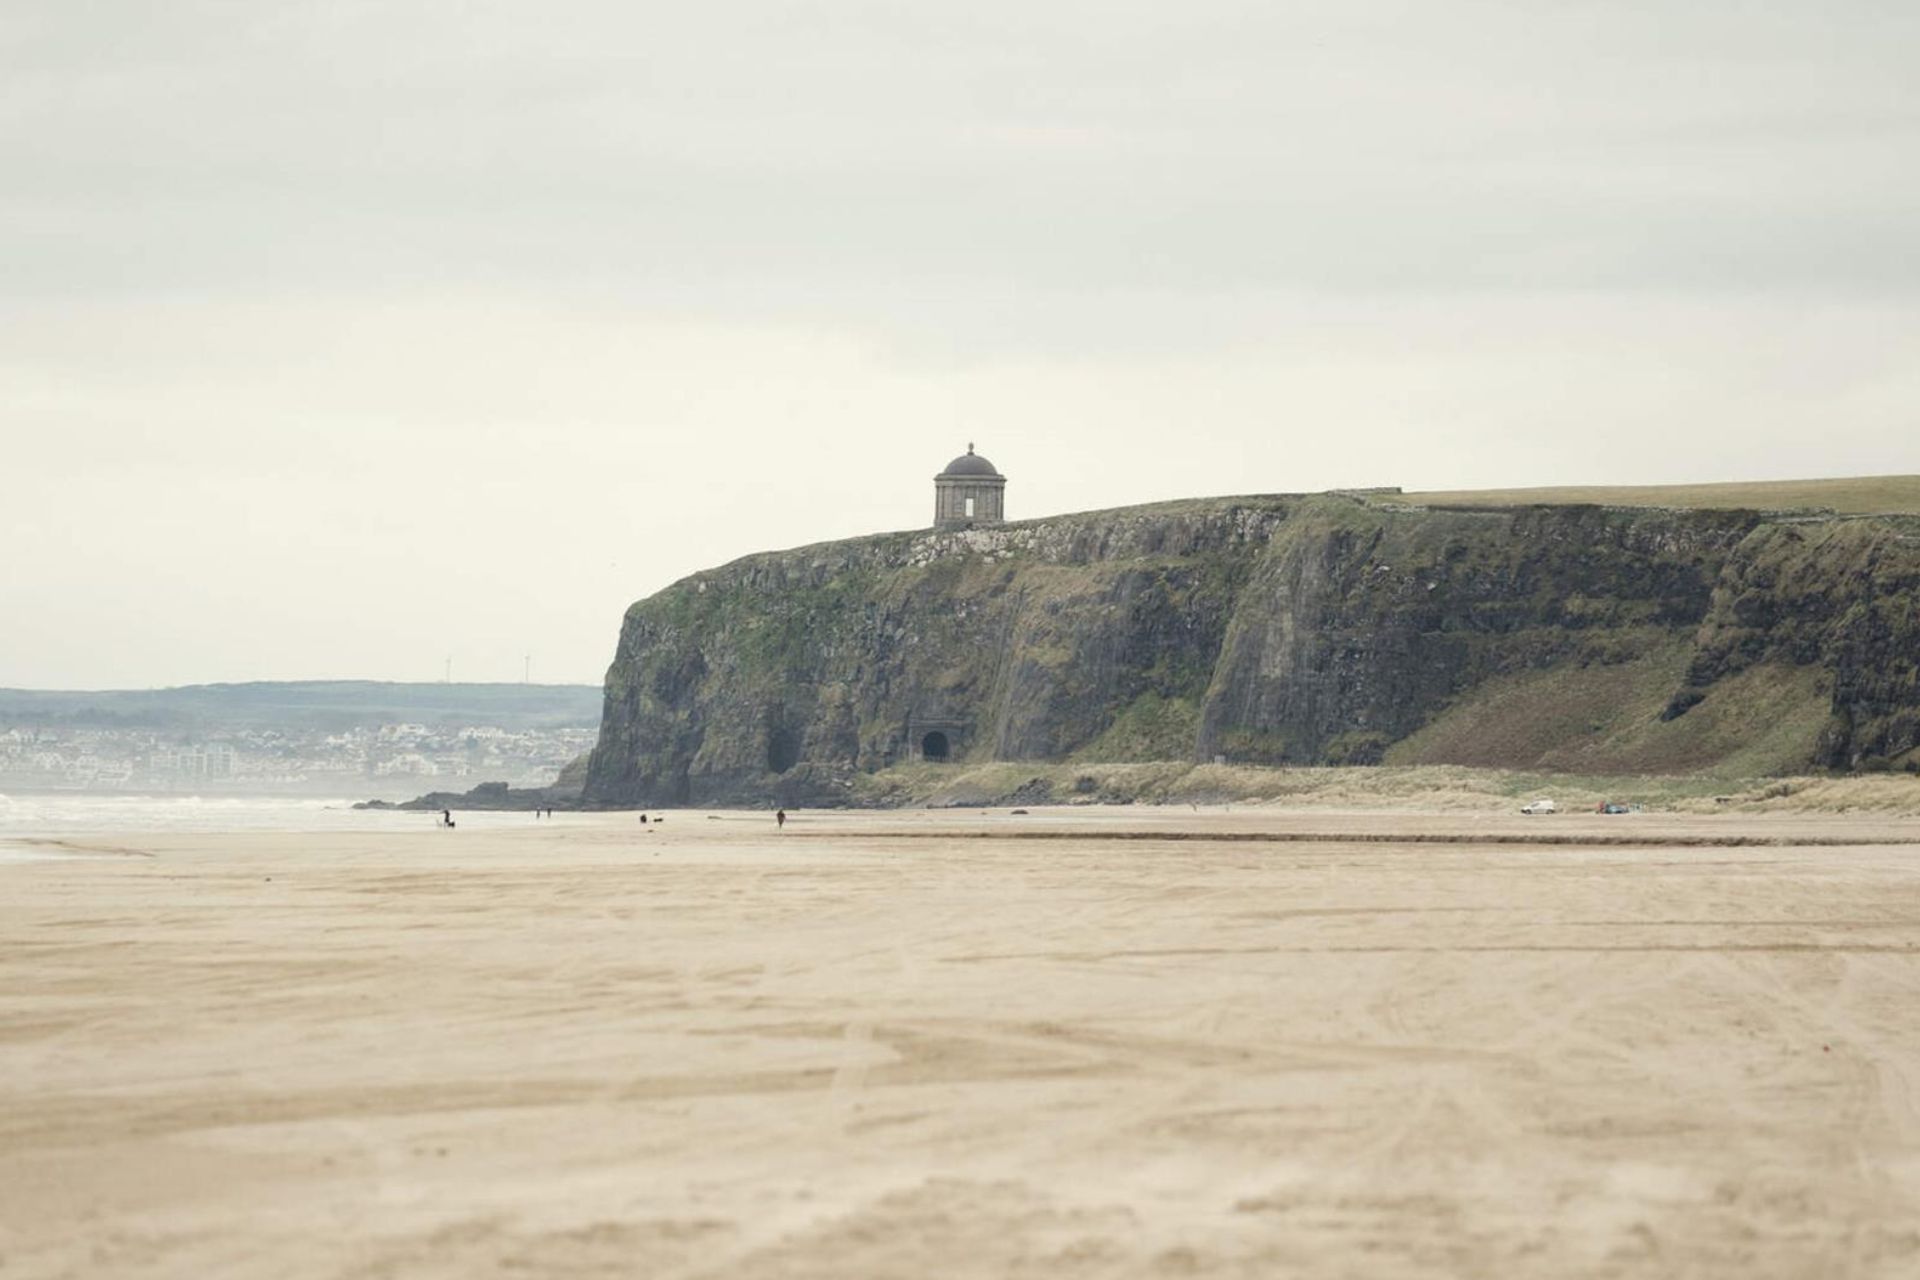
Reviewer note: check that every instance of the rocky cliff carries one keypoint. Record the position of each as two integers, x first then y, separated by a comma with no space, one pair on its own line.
1323,629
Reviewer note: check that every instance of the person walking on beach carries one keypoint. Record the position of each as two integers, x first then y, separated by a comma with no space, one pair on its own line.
780,818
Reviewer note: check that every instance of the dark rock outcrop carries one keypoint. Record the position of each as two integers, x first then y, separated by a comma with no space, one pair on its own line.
562,793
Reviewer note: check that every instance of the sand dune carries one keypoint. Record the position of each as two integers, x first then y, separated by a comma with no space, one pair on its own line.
866,1049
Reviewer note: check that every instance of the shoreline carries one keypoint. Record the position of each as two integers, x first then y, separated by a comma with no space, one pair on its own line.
1409,788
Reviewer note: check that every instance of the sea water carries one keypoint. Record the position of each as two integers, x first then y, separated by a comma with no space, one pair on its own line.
25,817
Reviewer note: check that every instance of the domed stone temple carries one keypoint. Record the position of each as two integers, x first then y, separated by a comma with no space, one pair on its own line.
968,493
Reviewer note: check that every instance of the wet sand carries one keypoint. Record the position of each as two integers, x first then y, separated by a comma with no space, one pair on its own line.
879,1045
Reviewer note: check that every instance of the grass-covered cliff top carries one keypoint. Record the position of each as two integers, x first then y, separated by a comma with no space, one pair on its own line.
1844,495
1852,495
1047,535
1856,495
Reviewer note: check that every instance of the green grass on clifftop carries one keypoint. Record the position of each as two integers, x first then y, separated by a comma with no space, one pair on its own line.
1855,495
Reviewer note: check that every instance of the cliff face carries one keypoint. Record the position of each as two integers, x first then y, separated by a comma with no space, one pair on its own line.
1272,630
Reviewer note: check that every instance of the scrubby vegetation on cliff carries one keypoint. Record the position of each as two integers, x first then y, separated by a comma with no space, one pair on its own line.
1431,788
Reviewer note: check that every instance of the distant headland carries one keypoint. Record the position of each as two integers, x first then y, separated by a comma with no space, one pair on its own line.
1739,628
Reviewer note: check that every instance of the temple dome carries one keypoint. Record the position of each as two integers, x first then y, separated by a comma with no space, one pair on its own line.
970,464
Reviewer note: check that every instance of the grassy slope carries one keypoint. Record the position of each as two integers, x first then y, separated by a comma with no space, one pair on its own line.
1606,719
1857,495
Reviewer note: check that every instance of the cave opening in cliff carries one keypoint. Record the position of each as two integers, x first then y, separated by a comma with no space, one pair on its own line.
783,750
934,746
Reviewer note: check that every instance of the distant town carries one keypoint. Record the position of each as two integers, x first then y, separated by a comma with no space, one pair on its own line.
338,739
267,761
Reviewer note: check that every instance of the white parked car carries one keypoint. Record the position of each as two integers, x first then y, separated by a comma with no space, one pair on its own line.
1540,806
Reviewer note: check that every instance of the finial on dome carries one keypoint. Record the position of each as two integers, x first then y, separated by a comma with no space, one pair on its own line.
969,446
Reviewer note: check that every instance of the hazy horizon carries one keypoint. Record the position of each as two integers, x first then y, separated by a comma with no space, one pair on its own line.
340,340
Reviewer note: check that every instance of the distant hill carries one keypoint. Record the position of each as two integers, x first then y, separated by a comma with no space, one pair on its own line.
324,705
1855,495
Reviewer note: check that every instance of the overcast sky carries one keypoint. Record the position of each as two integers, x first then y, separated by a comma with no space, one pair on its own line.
340,338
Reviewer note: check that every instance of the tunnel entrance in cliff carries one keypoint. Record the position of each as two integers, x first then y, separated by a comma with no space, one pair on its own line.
934,746
783,750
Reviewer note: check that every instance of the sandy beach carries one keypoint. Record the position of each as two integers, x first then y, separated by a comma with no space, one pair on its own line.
929,1044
